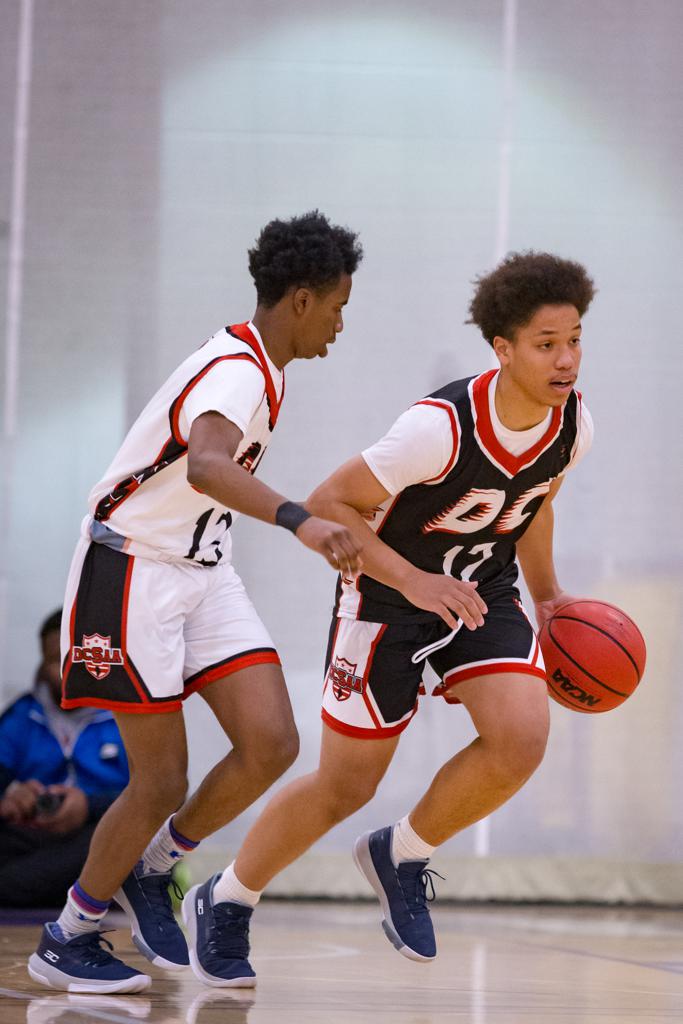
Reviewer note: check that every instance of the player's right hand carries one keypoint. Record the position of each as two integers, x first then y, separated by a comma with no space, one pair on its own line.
445,595
334,542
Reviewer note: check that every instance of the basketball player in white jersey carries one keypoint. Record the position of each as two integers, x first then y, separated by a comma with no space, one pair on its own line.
460,487
154,610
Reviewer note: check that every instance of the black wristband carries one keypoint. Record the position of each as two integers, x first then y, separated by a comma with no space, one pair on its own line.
291,516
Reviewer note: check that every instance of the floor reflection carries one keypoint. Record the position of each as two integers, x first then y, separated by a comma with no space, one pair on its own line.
209,1005
77,1009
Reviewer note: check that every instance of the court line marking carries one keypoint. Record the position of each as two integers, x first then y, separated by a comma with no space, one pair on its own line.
332,952
656,966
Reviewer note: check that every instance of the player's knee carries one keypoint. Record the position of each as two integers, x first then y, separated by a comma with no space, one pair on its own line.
177,791
164,790
346,796
286,750
275,753
526,754
515,739
520,749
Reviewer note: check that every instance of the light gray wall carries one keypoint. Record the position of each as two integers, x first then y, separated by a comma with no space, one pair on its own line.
163,135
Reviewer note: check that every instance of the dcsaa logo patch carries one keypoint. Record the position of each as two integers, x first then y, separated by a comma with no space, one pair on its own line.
98,655
344,679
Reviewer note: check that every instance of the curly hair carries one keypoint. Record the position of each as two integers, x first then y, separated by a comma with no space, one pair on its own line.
508,297
306,251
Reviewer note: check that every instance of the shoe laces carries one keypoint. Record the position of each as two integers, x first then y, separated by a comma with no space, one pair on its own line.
229,937
156,890
90,948
417,883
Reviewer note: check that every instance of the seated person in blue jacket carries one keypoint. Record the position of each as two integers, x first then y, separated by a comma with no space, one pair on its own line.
59,772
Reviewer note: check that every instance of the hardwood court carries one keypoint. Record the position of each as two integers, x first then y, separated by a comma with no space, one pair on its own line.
330,964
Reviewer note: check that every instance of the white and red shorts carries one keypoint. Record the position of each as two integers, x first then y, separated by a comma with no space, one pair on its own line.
374,670
140,635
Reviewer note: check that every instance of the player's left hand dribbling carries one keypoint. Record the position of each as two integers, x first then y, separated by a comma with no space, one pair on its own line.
334,542
546,609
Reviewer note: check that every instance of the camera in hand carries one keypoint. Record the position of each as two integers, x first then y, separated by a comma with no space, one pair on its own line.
48,804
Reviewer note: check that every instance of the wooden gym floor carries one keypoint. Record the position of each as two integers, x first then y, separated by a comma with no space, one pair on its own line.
326,963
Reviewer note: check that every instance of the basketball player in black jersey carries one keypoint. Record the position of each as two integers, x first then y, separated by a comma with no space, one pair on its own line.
445,504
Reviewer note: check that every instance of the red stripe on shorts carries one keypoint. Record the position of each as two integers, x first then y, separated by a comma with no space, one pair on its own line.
157,708
452,679
366,674
210,675
381,733
130,672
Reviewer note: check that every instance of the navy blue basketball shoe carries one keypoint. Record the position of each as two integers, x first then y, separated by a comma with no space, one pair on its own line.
82,964
146,900
402,891
219,938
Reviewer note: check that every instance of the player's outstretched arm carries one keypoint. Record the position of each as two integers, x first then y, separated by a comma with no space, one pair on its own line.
212,470
535,554
345,496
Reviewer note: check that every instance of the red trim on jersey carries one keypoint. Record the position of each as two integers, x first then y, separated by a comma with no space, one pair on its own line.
473,671
388,513
174,448
356,582
150,708
210,675
358,577
131,483
245,334
131,488
482,415
177,405
345,586
454,430
579,424
364,734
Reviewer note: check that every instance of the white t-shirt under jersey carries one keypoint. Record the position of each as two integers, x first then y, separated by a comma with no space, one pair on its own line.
419,445
147,501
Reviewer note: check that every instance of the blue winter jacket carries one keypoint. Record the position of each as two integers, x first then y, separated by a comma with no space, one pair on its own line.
29,749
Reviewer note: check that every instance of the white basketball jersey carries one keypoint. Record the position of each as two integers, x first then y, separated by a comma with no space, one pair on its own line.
144,504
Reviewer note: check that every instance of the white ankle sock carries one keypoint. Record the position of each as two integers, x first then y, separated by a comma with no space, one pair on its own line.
407,845
166,848
81,914
229,889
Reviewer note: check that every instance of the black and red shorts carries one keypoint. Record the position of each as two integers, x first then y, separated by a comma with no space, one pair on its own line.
140,635
374,670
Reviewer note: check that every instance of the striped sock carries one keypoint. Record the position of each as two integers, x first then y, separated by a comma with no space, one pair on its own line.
406,843
166,848
82,913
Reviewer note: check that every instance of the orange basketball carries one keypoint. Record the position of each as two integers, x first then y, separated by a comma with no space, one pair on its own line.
594,656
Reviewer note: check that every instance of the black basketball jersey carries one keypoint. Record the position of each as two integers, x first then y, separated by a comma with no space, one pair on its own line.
466,522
